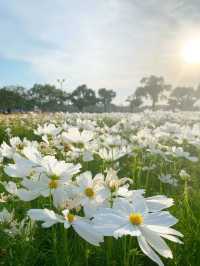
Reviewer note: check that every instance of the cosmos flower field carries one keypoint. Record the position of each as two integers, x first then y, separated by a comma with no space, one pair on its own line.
100,189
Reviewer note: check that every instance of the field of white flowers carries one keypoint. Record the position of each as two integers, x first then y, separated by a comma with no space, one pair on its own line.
100,189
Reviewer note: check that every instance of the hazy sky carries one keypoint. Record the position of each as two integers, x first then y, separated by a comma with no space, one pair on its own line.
103,43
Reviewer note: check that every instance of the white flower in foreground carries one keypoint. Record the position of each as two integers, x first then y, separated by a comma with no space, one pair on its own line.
158,203
16,145
24,167
59,169
154,203
48,217
54,180
7,151
92,191
21,168
81,225
10,187
32,154
134,219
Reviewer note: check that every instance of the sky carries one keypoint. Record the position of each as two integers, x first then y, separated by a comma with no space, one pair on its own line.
104,43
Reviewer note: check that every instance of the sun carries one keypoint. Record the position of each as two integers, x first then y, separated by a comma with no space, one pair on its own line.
191,52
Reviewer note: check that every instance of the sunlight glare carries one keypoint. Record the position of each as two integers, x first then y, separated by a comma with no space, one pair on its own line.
191,52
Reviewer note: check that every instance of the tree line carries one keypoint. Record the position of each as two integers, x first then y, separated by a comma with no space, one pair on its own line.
153,92
49,98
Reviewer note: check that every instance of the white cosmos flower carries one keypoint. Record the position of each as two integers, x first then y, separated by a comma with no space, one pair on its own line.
179,152
10,187
74,136
134,219
48,217
32,154
7,151
16,142
93,192
54,180
81,225
16,145
80,153
21,168
59,169
113,154
47,129
113,140
59,189
154,203
158,203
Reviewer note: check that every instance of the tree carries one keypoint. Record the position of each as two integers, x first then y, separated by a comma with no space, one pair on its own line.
11,99
152,86
47,97
183,98
18,89
106,97
197,92
82,97
134,102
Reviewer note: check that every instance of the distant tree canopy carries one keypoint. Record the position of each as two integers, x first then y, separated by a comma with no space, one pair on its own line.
106,97
82,97
182,98
152,87
47,97
134,102
155,89
11,99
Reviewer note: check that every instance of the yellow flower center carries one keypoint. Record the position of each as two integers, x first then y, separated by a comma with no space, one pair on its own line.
70,217
136,218
79,145
54,177
53,184
32,173
67,147
89,192
20,146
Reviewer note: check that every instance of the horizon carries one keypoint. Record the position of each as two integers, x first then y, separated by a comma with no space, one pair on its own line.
101,44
